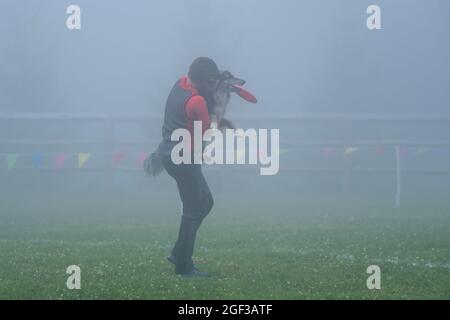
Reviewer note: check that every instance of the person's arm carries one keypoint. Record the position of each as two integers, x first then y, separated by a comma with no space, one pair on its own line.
197,110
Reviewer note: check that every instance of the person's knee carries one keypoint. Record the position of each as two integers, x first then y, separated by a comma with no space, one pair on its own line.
193,217
209,203
189,216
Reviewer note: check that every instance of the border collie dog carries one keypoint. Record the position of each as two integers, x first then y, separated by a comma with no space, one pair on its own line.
217,105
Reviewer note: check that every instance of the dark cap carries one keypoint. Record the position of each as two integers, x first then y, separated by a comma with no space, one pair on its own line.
203,69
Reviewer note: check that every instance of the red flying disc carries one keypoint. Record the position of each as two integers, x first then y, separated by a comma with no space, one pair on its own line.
245,94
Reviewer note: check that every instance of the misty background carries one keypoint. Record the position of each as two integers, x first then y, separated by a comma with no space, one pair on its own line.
298,57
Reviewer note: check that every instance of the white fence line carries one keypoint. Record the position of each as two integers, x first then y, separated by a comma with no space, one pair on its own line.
305,116
283,117
110,120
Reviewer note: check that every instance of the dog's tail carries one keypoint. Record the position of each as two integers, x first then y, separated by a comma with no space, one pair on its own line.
153,164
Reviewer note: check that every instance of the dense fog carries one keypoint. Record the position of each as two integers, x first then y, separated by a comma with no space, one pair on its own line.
313,58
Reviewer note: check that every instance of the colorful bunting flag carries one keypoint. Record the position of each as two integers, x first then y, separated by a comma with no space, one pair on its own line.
11,159
141,158
82,158
37,160
59,160
118,157
328,152
403,151
351,150
379,150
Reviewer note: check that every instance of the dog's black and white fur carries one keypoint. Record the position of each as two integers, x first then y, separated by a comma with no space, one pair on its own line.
221,98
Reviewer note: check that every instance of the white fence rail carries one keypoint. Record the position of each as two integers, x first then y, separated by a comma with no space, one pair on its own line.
110,141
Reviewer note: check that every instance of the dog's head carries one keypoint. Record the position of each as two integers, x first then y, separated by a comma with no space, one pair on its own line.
223,89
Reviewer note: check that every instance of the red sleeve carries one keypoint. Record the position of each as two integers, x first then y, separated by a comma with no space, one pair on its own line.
197,110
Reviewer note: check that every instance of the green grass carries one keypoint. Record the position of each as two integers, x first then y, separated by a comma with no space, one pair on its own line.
255,249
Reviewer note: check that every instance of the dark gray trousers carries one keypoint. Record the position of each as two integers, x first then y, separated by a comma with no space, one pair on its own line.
197,203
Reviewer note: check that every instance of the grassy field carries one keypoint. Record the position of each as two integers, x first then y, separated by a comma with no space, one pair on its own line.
255,249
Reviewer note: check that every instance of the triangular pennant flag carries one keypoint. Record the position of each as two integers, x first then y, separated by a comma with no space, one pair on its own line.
351,150
380,150
141,158
328,152
82,158
59,160
118,157
403,151
11,160
37,160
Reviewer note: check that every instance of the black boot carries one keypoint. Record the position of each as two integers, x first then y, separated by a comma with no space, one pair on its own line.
195,274
173,259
